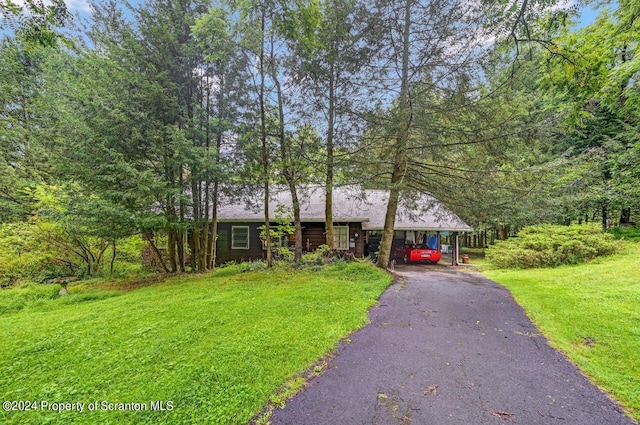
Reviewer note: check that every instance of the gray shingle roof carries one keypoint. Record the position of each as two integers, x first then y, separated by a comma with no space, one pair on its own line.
352,204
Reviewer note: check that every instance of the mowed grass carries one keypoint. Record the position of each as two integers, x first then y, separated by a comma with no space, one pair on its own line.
218,346
591,312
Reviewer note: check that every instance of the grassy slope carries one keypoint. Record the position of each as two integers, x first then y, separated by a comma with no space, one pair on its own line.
591,312
217,346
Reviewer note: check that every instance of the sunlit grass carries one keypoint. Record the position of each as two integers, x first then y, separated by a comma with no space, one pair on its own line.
217,346
592,313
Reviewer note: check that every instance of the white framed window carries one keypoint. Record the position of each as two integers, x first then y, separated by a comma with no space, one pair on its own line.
341,237
240,237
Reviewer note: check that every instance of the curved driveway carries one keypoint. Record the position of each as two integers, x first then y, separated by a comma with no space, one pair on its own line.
447,347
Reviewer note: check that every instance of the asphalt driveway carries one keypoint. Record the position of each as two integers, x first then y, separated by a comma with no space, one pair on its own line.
447,347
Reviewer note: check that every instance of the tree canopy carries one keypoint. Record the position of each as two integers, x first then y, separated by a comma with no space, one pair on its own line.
148,119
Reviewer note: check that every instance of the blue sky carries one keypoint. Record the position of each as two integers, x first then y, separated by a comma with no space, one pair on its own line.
81,8
587,14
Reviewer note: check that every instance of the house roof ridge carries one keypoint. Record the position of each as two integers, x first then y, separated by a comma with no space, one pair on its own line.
352,203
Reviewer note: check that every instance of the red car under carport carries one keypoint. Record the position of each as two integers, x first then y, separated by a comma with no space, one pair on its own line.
416,253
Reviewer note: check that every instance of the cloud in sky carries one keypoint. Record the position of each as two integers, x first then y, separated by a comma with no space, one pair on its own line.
77,5
72,5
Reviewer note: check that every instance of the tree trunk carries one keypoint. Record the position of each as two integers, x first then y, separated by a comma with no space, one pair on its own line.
98,260
113,257
196,223
328,206
265,149
297,251
148,236
328,211
180,249
454,250
625,216
204,247
180,231
402,140
213,246
172,250
288,168
384,255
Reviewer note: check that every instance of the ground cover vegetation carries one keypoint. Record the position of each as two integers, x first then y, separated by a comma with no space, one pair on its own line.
590,312
219,346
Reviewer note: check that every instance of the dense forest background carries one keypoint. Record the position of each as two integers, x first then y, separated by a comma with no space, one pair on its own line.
130,128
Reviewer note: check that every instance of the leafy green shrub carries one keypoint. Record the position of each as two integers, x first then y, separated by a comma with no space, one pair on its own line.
25,254
551,245
32,251
626,232
250,266
318,257
284,254
130,249
232,267
310,258
126,269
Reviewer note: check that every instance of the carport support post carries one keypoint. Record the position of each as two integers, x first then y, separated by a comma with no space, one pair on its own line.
454,254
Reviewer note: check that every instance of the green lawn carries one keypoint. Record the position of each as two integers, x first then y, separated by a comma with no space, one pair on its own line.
591,312
216,346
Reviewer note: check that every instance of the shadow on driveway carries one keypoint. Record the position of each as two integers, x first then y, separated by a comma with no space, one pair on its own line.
448,347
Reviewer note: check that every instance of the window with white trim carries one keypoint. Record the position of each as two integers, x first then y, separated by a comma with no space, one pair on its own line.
240,237
341,237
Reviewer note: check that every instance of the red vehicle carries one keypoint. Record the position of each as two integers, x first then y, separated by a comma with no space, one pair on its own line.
417,253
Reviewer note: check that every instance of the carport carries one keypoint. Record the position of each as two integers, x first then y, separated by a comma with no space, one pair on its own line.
419,216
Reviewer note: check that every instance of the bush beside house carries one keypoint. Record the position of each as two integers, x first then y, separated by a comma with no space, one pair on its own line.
551,245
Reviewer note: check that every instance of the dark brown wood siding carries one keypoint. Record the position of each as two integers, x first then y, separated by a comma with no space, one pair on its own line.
356,237
313,235
223,244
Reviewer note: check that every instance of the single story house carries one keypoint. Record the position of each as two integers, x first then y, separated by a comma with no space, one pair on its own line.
358,219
